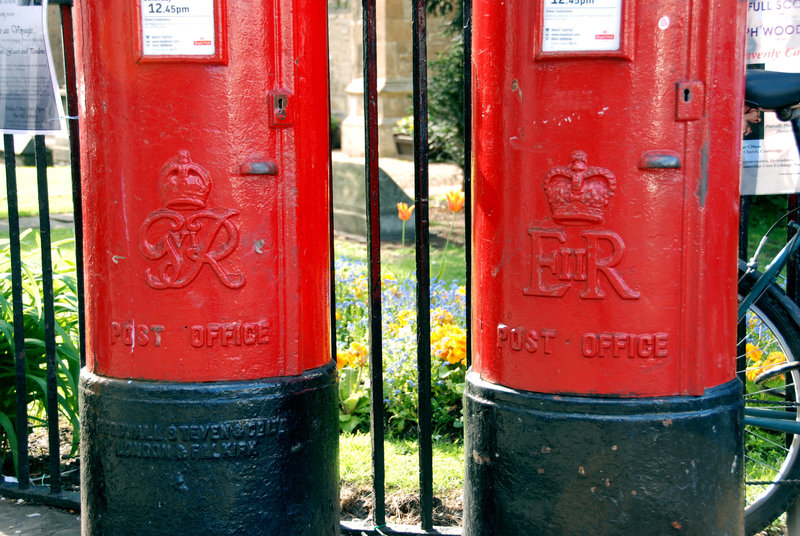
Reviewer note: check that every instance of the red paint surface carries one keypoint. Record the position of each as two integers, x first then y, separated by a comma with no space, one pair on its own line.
639,301
242,288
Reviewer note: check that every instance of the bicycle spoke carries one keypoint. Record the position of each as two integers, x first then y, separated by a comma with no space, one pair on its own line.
750,398
768,440
770,458
762,463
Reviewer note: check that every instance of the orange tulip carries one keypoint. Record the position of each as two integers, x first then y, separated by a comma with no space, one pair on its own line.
455,200
404,211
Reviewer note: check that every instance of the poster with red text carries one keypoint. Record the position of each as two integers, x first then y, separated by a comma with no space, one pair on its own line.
770,162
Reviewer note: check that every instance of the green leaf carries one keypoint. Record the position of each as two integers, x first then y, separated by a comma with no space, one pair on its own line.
11,436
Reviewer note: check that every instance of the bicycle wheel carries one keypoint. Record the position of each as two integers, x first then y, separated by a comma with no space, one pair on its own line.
771,341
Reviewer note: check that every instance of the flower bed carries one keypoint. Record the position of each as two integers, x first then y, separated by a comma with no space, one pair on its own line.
400,397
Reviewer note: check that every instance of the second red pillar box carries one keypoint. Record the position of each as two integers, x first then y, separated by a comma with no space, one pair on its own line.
605,207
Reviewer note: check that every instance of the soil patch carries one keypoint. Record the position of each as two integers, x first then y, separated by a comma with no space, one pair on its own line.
39,459
401,508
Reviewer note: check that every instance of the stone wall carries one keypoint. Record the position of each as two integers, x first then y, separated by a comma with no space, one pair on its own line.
344,65
394,51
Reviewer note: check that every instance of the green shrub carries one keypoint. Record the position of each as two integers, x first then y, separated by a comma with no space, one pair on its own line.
446,129
446,136
66,330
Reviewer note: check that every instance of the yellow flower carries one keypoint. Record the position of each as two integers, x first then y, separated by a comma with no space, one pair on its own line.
355,356
360,353
404,319
361,287
343,359
449,343
775,358
455,200
763,363
754,353
441,316
404,211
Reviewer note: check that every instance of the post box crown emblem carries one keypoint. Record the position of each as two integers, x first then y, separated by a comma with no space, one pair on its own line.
186,236
183,184
578,194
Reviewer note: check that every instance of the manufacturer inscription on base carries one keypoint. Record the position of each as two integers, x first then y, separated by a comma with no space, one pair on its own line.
203,441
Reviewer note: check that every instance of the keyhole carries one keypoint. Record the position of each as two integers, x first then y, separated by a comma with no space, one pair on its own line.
687,95
280,107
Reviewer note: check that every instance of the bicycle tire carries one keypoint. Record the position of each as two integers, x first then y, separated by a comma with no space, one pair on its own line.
772,322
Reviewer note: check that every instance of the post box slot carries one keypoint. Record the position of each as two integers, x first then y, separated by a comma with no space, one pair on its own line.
259,168
659,159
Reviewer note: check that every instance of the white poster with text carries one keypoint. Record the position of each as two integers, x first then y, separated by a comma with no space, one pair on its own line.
29,98
770,161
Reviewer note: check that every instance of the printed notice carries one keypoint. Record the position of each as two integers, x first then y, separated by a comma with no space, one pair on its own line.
178,28
770,163
29,101
582,25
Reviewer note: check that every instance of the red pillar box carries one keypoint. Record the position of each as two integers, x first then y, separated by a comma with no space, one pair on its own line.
209,403
602,397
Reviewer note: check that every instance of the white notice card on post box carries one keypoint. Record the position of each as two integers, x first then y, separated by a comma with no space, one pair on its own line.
581,25
178,28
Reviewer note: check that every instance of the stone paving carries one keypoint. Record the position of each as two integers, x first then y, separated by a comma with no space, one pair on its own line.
19,517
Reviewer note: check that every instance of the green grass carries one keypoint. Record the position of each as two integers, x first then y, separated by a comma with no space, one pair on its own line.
402,463
59,181
764,211
63,238
401,263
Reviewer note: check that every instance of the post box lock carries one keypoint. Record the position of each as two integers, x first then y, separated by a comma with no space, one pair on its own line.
281,109
689,100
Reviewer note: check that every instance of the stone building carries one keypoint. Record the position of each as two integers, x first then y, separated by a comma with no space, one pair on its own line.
394,50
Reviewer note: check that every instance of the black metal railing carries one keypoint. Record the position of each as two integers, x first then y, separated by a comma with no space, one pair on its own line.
422,248
52,494
423,260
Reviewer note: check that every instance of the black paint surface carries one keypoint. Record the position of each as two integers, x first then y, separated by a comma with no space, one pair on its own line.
551,465
228,458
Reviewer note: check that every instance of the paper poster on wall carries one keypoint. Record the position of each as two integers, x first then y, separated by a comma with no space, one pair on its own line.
29,99
770,161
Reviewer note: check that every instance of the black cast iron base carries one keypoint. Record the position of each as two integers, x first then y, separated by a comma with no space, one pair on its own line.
577,466
228,458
